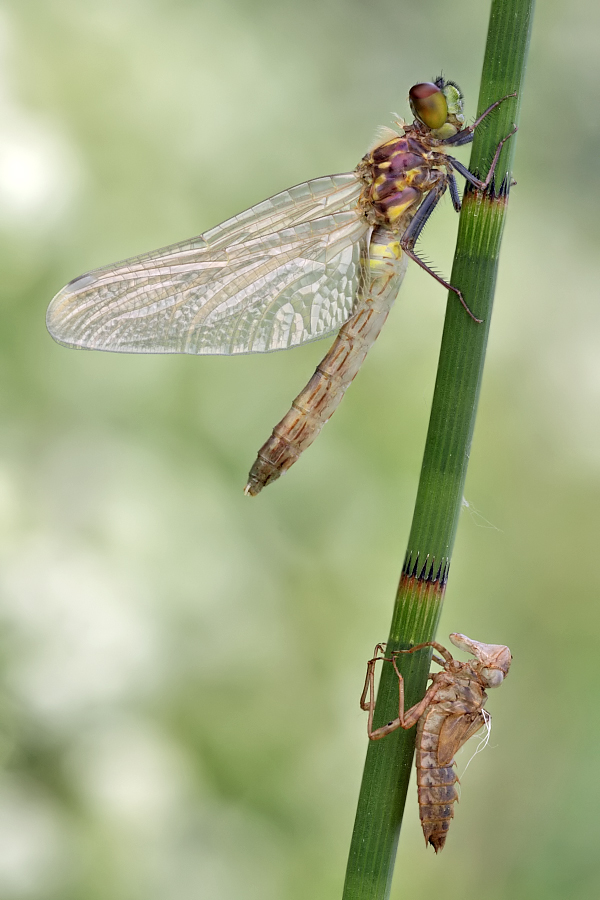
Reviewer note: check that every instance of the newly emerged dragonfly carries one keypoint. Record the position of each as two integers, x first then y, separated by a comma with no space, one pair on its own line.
450,713
326,255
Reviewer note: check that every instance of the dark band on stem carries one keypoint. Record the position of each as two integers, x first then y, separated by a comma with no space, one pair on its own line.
426,570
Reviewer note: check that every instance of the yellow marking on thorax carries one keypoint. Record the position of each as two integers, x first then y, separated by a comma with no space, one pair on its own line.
398,184
410,176
395,212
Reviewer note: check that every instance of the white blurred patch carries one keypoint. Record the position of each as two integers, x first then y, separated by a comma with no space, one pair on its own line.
32,844
37,172
131,772
178,839
79,640
39,168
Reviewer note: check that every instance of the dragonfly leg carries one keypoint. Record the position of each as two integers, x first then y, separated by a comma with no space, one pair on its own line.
411,235
367,698
439,647
406,719
465,135
480,185
454,191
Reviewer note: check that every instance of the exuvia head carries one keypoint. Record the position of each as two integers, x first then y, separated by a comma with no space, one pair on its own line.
439,106
492,661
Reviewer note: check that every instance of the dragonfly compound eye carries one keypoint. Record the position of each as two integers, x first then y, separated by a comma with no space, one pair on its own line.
493,677
428,104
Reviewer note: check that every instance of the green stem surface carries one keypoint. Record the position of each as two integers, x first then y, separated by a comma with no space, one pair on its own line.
439,498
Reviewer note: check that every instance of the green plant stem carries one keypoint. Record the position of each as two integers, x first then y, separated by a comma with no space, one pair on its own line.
440,493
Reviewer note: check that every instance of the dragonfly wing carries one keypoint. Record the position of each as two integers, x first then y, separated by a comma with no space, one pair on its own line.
456,731
302,203
280,274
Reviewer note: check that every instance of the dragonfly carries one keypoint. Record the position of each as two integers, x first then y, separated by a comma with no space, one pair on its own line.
325,256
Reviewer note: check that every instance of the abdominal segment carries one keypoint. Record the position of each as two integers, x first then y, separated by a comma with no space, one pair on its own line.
384,271
435,783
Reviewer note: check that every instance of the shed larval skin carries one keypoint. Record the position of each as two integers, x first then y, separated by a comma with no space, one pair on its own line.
449,714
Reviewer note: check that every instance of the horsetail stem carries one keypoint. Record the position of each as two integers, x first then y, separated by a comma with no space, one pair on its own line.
420,593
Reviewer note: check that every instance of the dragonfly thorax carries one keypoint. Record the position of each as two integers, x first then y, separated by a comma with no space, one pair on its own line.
398,173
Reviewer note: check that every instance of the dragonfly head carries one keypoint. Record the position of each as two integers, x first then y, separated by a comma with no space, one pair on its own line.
492,660
439,106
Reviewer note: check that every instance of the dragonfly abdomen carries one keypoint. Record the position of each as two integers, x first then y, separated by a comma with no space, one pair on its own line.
435,782
384,270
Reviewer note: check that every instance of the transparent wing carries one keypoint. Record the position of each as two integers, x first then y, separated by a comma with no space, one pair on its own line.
282,273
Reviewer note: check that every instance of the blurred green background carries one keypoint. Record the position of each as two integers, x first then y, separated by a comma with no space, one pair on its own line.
181,665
